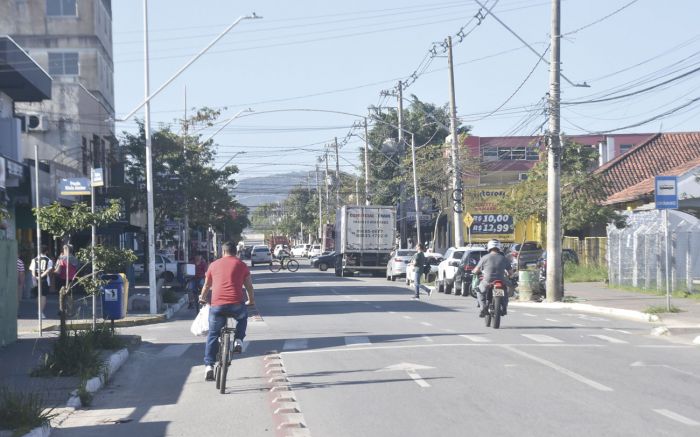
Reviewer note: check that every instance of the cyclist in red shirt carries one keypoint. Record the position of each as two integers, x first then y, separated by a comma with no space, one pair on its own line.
226,278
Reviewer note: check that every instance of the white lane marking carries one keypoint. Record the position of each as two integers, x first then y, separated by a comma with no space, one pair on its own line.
677,417
416,377
423,345
426,324
392,312
666,366
410,369
560,369
295,344
578,324
448,330
173,351
357,341
541,338
407,317
476,338
608,339
428,339
622,331
552,320
529,315
378,307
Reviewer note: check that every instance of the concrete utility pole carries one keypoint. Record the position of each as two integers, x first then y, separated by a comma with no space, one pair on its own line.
320,206
415,187
555,291
403,229
93,234
457,175
37,265
366,164
337,175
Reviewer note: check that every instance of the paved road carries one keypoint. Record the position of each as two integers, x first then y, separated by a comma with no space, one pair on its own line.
355,356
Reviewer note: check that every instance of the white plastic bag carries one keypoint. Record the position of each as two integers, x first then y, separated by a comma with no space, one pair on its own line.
200,326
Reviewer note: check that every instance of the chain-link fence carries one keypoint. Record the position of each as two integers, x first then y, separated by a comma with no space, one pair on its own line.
591,251
637,253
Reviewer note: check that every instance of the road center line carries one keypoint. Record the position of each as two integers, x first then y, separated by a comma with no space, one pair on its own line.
560,369
617,330
677,417
529,315
552,320
407,317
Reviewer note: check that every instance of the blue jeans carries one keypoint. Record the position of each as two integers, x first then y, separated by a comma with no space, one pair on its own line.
416,280
217,320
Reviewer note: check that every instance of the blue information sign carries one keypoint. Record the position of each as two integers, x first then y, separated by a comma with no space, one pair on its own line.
75,187
666,192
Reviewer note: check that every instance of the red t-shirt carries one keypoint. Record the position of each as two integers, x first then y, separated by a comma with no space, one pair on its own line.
226,276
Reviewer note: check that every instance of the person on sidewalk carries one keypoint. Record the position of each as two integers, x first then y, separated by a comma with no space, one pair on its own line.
66,267
200,272
226,277
418,262
20,280
493,266
44,264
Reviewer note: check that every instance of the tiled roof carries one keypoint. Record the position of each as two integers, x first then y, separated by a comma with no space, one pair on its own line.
660,153
646,187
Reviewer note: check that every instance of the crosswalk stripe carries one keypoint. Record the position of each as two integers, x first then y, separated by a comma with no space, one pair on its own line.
540,338
476,338
295,344
608,339
356,341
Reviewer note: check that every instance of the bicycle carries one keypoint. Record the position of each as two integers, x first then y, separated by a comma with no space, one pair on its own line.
285,263
191,285
224,356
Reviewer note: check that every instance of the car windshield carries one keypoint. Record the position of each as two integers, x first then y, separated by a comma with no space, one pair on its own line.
458,254
261,249
405,253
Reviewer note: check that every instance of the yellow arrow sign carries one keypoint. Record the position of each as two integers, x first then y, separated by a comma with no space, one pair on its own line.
468,219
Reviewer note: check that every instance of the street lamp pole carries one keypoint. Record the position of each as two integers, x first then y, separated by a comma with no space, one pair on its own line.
149,170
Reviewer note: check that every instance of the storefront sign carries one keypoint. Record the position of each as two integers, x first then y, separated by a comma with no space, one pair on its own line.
75,187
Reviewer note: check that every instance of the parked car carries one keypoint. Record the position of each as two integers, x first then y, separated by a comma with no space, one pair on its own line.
324,261
166,268
398,260
260,255
315,250
463,278
524,255
448,268
434,259
301,250
279,249
567,256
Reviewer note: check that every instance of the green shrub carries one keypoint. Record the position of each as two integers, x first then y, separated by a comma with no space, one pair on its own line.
582,273
74,354
104,338
22,412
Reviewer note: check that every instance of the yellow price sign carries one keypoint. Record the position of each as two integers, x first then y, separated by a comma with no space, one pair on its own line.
468,220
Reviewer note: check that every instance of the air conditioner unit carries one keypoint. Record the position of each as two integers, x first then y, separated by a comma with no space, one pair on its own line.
36,123
522,176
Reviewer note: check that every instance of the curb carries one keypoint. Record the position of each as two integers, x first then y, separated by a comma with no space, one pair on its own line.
92,385
587,308
40,431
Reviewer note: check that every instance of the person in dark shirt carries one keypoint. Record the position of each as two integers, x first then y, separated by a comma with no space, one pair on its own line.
492,266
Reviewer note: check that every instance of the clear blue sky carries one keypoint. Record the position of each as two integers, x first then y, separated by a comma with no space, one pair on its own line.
335,55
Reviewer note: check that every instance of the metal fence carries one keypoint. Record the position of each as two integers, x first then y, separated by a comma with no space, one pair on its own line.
637,253
591,251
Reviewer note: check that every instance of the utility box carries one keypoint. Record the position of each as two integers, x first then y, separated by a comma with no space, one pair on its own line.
115,296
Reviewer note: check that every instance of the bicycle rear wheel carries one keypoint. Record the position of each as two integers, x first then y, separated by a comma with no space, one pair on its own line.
292,265
225,352
275,266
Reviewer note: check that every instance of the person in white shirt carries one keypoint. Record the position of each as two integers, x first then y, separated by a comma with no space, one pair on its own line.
41,268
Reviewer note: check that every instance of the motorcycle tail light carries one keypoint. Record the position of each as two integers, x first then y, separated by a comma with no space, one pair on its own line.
468,268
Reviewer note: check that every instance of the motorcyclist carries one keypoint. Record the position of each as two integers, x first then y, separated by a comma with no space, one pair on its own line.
492,266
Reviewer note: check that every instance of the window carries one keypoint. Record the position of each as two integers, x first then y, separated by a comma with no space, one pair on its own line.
532,154
504,153
490,154
61,8
63,63
624,148
518,153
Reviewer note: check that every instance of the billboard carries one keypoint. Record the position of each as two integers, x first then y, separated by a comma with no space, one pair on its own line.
484,218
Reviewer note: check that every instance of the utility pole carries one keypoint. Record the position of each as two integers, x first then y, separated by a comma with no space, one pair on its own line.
366,164
150,219
415,187
328,201
456,175
320,206
555,291
402,187
186,234
93,232
337,175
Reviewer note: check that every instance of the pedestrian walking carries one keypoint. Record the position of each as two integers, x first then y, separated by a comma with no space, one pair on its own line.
418,262
41,268
66,267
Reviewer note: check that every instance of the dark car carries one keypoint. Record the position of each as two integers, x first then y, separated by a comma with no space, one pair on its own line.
523,255
567,256
324,261
463,277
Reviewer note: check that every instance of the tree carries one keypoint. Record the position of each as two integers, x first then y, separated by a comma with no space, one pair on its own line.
581,193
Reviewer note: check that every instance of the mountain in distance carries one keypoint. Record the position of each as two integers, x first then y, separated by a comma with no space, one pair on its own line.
256,191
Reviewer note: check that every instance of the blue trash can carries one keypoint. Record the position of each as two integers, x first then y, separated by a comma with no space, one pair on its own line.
114,296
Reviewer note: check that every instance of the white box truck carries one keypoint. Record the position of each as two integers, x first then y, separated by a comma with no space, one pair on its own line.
364,239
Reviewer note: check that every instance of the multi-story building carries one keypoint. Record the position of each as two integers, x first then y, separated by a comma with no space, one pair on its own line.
72,41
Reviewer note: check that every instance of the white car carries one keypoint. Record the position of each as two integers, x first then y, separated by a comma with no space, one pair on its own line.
301,250
260,254
434,259
166,268
315,250
447,268
396,267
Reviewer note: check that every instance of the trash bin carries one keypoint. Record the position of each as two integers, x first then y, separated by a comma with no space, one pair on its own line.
115,296
525,285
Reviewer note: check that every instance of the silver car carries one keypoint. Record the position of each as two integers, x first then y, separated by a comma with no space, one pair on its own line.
396,267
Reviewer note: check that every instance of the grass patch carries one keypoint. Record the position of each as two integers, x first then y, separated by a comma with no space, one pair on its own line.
22,412
680,294
582,273
659,309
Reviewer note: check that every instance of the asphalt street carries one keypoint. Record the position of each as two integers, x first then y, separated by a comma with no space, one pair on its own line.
356,356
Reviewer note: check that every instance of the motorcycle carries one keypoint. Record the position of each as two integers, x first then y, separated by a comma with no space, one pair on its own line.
495,293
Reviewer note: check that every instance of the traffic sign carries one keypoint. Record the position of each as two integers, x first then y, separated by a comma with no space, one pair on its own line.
666,192
468,220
